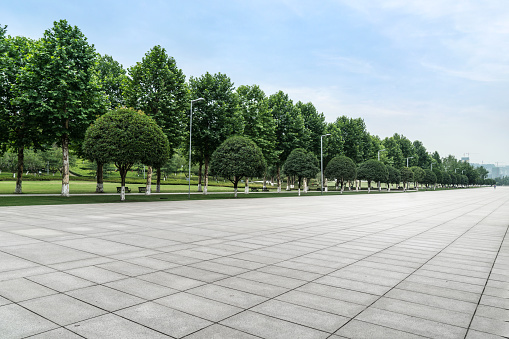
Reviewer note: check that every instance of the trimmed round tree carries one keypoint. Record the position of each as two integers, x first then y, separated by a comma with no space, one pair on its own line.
407,176
446,179
418,175
125,136
429,179
237,157
301,164
372,170
342,169
394,176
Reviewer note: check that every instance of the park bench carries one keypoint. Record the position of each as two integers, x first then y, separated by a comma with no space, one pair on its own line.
254,189
127,189
142,189
265,189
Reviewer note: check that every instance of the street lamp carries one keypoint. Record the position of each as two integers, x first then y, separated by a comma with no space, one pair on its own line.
407,160
321,161
190,131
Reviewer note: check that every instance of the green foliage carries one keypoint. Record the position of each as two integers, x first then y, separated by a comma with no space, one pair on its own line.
314,123
259,125
418,173
301,164
111,76
406,175
393,153
423,158
125,137
446,178
237,157
290,129
217,118
372,170
341,168
356,140
394,175
59,85
157,87
333,143
429,177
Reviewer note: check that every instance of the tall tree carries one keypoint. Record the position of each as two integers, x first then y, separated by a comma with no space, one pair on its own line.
20,130
423,158
372,170
215,119
290,129
112,77
157,87
315,125
407,149
394,153
355,137
259,125
332,144
60,87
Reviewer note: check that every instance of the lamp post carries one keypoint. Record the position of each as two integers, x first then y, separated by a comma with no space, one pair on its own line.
190,131
407,160
321,161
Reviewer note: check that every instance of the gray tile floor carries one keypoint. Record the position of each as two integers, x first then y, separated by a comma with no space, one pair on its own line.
414,265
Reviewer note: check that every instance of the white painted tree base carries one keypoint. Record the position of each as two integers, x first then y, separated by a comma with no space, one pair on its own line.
99,188
65,190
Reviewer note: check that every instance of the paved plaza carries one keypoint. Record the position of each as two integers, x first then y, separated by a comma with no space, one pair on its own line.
403,265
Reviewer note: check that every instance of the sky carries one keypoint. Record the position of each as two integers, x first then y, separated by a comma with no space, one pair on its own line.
433,70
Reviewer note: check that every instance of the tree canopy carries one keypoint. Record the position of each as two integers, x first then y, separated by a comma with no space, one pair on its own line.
125,137
342,169
301,164
372,170
237,157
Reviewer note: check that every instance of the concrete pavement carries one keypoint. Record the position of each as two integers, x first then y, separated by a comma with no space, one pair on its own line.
427,264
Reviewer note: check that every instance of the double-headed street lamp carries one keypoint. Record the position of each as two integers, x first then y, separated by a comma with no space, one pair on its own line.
407,160
190,131
321,160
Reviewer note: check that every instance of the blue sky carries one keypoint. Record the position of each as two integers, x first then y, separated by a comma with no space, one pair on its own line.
432,70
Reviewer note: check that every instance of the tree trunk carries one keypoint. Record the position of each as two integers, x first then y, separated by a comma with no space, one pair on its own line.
264,183
369,186
279,179
158,180
337,184
235,184
342,186
19,171
199,176
305,185
65,167
326,188
287,182
246,187
206,176
149,181
123,173
357,185
100,186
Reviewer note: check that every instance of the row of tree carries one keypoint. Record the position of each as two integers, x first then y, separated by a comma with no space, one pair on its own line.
53,89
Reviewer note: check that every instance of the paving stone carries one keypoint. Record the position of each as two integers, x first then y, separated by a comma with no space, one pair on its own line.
47,253
431,300
197,273
60,333
17,322
60,281
320,303
105,298
361,330
492,312
96,274
62,309
163,319
219,332
268,327
492,326
126,268
112,326
22,289
339,293
199,306
254,287
141,288
228,295
174,281
305,316
410,324
272,279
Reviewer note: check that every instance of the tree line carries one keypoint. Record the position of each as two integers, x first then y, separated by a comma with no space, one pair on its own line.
53,89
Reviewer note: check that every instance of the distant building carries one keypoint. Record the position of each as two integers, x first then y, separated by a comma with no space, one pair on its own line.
465,159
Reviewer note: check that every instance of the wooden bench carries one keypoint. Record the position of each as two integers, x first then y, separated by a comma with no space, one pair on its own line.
254,189
127,189
142,189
